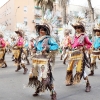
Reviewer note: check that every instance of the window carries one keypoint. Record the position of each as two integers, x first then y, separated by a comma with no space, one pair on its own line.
98,17
37,20
6,23
9,21
25,8
9,10
25,20
37,12
75,13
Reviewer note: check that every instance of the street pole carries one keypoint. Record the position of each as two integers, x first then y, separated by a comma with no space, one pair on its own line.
15,16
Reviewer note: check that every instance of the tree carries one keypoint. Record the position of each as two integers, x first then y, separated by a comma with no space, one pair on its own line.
45,4
91,10
92,16
63,4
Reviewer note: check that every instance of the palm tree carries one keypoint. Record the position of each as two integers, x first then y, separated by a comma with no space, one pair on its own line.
91,10
63,4
45,4
92,15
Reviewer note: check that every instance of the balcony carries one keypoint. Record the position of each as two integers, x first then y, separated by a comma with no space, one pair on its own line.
38,16
37,7
59,25
37,13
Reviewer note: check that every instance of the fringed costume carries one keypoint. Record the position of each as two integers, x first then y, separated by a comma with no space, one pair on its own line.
17,52
2,52
95,50
66,43
26,52
78,58
41,76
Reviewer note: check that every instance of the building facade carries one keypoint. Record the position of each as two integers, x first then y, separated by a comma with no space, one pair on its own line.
16,14
25,14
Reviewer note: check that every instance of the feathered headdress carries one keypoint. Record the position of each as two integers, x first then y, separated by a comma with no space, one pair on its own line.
79,22
20,32
46,25
97,27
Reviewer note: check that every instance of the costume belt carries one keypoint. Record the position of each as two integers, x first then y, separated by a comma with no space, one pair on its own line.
75,54
98,49
38,53
96,52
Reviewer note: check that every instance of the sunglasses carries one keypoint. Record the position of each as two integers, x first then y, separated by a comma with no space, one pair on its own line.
77,27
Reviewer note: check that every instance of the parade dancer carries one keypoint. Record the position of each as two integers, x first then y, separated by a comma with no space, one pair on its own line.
2,51
18,48
31,45
41,74
66,44
13,42
77,57
8,47
96,49
26,51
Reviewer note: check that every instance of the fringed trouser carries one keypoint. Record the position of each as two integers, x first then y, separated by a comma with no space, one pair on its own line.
63,52
51,56
80,66
2,56
41,76
18,60
93,62
25,57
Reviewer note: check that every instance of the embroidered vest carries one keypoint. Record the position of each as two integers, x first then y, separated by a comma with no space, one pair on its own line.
20,42
80,39
2,42
45,42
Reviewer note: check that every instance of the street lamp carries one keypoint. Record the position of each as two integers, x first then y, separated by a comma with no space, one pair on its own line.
16,10
15,15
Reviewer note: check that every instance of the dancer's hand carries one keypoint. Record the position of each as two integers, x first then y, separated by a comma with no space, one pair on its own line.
34,50
44,50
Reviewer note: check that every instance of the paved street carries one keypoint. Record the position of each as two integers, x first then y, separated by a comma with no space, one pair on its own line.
12,84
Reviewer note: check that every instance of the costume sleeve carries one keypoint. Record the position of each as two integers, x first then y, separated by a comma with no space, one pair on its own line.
17,41
26,44
3,43
52,44
88,44
94,44
35,47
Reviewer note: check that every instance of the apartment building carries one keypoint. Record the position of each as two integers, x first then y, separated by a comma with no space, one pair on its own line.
18,13
25,14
